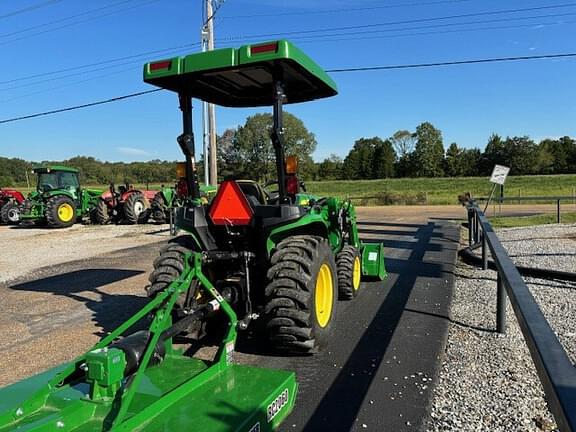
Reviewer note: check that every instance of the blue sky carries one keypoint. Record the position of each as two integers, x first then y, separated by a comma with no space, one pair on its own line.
467,103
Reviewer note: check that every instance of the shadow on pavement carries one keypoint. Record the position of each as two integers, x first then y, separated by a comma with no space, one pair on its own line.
343,401
108,310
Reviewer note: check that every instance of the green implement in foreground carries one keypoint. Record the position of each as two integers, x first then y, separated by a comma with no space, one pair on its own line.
274,260
142,383
59,200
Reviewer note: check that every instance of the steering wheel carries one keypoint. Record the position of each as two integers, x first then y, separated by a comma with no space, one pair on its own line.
271,195
47,187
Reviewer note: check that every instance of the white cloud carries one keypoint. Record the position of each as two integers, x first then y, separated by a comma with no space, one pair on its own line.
132,151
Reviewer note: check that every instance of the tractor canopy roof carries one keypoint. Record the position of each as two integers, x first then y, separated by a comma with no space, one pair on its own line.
242,77
53,168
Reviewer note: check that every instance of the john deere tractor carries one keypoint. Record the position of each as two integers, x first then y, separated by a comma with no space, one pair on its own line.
58,200
279,259
169,198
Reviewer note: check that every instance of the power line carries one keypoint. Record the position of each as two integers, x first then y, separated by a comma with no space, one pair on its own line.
412,21
356,69
368,8
453,63
99,63
77,107
302,38
30,8
432,26
140,4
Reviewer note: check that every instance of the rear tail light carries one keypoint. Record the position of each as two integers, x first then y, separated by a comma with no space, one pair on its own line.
292,184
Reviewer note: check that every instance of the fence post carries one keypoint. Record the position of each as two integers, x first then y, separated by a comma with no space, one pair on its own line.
469,227
484,252
500,306
477,228
558,211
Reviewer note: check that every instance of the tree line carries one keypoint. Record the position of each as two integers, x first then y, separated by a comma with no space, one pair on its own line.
247,152
421,154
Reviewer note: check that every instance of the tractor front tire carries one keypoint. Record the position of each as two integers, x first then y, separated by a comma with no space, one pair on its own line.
60,212
349,266
159,208
301,294
100,213
136,209
10,213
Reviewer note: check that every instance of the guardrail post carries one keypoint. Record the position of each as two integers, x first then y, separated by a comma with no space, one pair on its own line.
558,211
484,252
500,306
470,213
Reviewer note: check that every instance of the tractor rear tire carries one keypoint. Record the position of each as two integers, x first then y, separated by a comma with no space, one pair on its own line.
167,268
159,208
301,294
60,212
100,213
136,209
349,266
10,213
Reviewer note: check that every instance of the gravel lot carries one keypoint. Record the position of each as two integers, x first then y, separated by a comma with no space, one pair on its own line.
27,249
488,382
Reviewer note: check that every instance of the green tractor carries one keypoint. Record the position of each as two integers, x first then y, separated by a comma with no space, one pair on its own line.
249,256
58,200
169,198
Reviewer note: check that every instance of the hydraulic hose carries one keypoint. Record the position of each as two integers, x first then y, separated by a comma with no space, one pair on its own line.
468,256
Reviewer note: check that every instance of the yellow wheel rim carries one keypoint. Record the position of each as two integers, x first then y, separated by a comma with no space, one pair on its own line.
324,295
356,273
65,212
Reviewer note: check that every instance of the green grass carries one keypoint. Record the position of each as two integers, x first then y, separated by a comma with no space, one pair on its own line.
523,221
438,191
428,191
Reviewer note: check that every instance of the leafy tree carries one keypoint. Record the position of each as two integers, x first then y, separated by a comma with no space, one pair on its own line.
428,152
359,162
403,142
470,162
330,168
254,146
453,166
384,159
494,154
521,155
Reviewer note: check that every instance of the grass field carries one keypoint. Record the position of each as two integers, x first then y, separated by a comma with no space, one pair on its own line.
431,191
437,191
522,221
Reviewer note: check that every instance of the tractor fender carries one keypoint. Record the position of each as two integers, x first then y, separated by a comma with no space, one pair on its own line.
58,192
12,194
312,226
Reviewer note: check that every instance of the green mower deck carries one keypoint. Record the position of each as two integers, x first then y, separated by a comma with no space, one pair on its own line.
100,391
182,395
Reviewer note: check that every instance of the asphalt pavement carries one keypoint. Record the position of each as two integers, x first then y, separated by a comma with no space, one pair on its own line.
376,373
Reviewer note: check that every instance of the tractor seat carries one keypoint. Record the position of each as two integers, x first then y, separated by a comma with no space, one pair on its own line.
253,192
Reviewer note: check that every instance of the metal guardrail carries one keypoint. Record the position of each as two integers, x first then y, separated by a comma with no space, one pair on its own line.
555,370
558,199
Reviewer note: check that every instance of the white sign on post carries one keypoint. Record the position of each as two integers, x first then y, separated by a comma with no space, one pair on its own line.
499,174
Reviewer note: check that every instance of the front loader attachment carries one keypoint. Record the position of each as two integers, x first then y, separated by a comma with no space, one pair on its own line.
373,261
140,382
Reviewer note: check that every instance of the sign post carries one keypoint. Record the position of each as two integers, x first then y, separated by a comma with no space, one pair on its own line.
498,177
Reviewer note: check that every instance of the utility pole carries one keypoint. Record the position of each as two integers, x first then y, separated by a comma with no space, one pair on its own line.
211,112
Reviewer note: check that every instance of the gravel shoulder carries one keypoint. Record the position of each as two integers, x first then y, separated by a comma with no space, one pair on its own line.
25,250
488,381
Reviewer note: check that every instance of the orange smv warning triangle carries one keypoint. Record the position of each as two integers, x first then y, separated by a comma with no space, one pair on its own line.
230,206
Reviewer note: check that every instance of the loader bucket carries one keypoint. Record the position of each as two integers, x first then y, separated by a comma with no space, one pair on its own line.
373,261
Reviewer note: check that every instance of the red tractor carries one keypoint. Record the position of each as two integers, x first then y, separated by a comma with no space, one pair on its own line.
124,205
10,201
